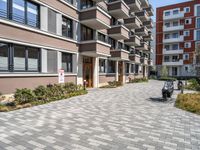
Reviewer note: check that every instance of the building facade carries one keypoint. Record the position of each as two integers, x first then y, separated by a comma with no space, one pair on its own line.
93,40
177,38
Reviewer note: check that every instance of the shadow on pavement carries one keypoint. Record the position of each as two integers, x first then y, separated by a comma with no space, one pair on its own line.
161,100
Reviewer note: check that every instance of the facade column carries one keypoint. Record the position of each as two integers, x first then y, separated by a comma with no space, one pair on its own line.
79,69
96,72
75,63
117,71
124,72
44,61
59,60
44,18
58,24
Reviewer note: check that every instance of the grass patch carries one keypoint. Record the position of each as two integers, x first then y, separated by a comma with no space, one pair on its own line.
189,102
41,95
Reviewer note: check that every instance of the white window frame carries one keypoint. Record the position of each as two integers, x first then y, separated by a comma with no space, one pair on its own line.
184,56
189,19
187,43
185,33
186,9
195,10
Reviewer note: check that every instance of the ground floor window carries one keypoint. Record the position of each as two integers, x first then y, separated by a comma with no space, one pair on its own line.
174,71
132,68
17,58
67,62
111,66
102,65
136,68
127,67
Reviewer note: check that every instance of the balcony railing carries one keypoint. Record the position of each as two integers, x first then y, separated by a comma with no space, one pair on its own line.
134,40
133,22
142,15
173,16
174,63
118,32
174,40
135,5
173,28
177,51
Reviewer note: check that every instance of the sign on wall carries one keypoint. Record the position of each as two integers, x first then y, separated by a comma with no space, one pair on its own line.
61,76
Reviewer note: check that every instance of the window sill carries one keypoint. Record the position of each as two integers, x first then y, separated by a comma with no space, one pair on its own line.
6,74
107,74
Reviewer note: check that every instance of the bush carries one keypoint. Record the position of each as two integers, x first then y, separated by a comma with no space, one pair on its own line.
113,84
167,79
139,80
23,96
40,92
70,87
193,84
189,102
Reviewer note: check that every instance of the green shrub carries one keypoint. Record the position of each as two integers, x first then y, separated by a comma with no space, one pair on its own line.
113,84
70,87
3,108
23,96
40,92
167,79
189,102
193,84
139,80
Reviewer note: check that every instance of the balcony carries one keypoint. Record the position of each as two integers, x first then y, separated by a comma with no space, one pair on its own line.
168,52
174,16
143,46
95,18
173,28
142,31
120,54
148,24
144,61
144,3
142,15
134,40
118,9
118,32
174,40
135,58
133,22
148,37
174,63
134,5
94,48
150,62
149,10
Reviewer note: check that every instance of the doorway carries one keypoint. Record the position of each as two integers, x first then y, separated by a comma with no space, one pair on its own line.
88,71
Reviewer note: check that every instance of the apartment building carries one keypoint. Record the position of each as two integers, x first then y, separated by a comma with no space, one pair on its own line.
93,40
177,38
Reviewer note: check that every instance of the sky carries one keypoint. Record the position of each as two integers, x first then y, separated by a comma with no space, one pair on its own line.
159,3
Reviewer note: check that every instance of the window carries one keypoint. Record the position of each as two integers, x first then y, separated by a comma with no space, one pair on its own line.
67,27
52,25
3,8
136,68
198,23
188,21
111,66
175,47
25,59
112,42
186,68
175,58
167,24
198,11
175,12
166,59
167,13
102,65
187,9
3,57
187,45
175,23
67,62
187,33
198,35
86,33
174,71
69,1
120,45
127,67
101,37
32,14
18,10
126,47
132,68
186,56
86,4
175,35
167,47
167,36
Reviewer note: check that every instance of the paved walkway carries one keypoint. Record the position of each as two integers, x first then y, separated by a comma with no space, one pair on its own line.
129,117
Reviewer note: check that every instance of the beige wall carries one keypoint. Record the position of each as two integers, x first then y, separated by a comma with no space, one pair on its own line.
106,78
9,84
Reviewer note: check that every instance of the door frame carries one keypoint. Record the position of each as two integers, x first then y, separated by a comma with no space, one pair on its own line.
90,64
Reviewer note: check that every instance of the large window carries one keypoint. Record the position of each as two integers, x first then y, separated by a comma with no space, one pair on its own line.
198,23
67,62
101,37
86,33
102,65
86,4
136,68
127,68
198,35
198,11
3,8
111,66
3,57
16,58
112,42
69,1
67,27
21,11
175,46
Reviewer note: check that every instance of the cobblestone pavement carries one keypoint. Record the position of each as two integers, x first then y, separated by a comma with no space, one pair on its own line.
129,117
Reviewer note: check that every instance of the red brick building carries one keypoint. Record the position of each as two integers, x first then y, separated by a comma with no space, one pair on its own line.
177,36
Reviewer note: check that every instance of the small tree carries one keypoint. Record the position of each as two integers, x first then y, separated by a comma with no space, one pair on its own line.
164,71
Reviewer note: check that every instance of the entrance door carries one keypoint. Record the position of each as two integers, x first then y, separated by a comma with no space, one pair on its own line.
144,71
88,71
174,71
120,69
